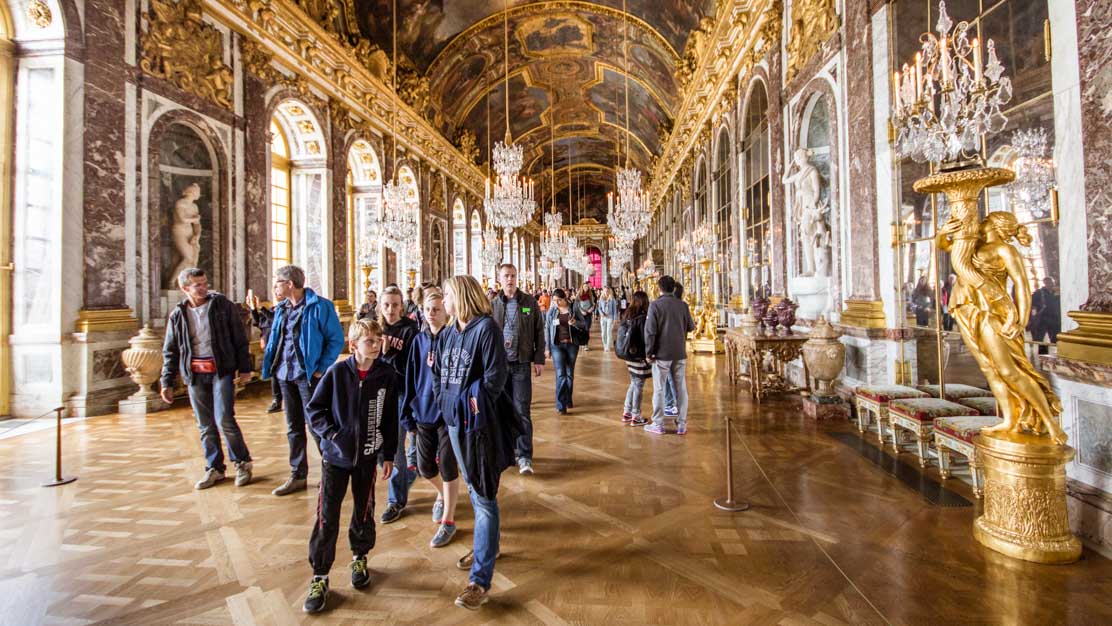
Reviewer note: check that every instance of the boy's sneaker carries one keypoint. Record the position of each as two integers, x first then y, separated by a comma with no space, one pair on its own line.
212,476
392,513
654,429
671,411
444,535
318,595
638,421
437,511
360,577
524,466
472,598
243,473
681,429
627,417
275,406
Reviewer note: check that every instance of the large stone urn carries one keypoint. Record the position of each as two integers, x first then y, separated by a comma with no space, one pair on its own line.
143,361
825,357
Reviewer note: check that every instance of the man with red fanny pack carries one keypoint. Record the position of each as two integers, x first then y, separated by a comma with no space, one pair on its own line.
206,344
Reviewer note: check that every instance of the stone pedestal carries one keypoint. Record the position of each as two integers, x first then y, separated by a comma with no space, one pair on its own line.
1025,498
825,407
141,404
812,293
707,346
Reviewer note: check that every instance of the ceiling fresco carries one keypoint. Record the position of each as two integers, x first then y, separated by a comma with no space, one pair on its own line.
565,66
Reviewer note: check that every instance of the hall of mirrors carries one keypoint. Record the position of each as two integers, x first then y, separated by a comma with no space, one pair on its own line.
888,218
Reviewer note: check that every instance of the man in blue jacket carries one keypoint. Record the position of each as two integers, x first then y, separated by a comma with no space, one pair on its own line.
305,340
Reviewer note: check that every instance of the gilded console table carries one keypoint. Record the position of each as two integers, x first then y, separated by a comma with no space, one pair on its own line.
760,360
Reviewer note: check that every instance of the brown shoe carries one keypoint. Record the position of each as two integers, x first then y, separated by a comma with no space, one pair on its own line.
472,598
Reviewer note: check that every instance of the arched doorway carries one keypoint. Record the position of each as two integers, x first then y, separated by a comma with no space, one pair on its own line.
364,200
595,256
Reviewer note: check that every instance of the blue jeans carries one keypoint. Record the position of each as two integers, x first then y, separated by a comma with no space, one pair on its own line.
296,395
563,359
520,386
607,326
633,395
486,534
674,371
212,399
401,479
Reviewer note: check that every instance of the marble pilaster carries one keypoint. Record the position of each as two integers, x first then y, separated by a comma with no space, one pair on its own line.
862,238
256,155
338,213
776,192
105,268
1094,18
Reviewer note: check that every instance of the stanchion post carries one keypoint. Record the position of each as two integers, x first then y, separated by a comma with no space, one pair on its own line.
58,478
729,504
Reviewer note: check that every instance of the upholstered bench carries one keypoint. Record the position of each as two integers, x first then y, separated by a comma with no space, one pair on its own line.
955,434
956,392
917,415
984,406
874,400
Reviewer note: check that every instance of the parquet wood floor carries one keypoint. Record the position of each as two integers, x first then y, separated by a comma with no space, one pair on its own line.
616,527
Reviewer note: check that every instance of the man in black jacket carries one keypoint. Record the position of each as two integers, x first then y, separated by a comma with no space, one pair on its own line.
206,344
519,316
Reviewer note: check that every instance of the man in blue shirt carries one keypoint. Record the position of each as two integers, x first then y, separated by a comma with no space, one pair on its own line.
305,340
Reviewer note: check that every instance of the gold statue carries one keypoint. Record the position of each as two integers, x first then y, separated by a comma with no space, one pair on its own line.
992,324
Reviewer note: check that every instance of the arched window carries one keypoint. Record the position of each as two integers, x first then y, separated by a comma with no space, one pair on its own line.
476,246
459,238
756,211
299,194
410,259
365,215
702,211
281,253
722,222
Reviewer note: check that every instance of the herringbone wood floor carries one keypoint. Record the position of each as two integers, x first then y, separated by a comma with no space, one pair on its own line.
616,527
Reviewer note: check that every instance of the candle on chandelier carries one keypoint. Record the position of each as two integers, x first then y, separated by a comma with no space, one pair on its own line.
945,62
978,70
610,200
918,75
488,187
896,89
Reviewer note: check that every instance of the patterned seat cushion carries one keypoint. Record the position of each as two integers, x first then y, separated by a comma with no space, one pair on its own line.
927,409
984,406
965,427
886,393
956,392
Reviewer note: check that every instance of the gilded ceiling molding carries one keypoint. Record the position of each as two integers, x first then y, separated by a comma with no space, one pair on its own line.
179,47
812,23
285,31
739,28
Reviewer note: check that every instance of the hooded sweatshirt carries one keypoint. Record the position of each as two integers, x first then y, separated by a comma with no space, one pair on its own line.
471,374
355,419
397,341
419,404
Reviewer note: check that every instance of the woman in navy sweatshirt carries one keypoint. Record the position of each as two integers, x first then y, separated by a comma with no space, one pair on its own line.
436,461
471,375
354,412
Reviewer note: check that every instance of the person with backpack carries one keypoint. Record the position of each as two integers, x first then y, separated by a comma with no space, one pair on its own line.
631,347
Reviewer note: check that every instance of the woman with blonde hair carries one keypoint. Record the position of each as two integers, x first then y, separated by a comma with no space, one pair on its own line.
470,372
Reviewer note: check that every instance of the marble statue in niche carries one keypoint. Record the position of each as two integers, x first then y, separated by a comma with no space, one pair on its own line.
185,234
810,215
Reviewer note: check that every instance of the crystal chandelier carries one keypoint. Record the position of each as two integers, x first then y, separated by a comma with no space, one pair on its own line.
683,253
492,248
552,240
619,257
510,203
1030,194
702,243
399,198
370,233
950,98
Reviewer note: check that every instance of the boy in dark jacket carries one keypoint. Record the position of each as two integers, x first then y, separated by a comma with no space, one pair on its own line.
354,411
398,333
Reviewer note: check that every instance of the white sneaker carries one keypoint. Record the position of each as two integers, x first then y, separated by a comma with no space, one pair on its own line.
212,476
243,473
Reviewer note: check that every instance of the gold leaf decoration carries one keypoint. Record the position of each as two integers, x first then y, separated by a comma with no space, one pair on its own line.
813,21
38,13
179,47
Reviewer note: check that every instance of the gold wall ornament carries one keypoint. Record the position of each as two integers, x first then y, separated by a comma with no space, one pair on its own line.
468,145
38,13
812,23
179,47
773,26
1025,455
341,115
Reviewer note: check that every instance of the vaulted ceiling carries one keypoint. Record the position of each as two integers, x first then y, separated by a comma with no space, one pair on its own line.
566,79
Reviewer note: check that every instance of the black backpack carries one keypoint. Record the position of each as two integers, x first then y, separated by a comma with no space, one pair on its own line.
630,345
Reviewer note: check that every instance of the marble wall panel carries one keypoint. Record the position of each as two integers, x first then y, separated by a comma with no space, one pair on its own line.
862,238
339,213
256,159
776,193
105,213
107,365
1094,19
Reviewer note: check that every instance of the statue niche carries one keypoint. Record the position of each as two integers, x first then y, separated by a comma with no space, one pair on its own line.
183,216
809,214
808,183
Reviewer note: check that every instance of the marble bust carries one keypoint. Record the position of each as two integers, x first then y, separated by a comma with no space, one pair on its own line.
814,234
185,233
